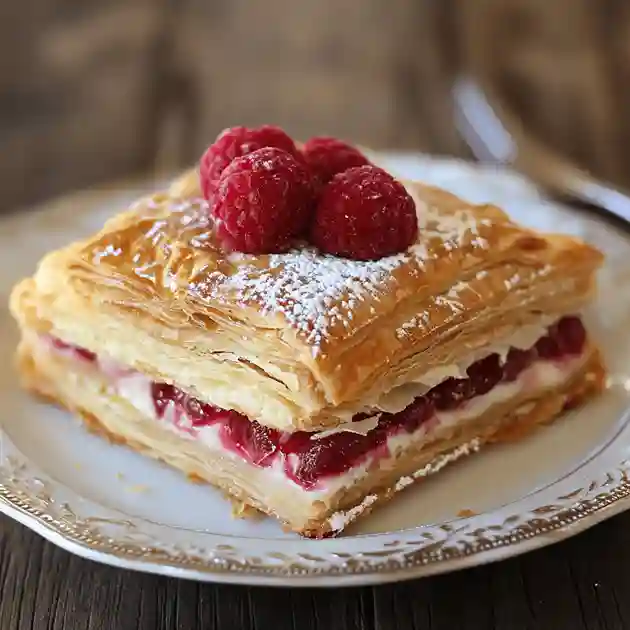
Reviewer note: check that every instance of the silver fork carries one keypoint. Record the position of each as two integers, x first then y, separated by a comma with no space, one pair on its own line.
490,141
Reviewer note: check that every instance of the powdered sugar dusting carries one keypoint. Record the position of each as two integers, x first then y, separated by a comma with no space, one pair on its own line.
450,300
454,229
316,293
421,320
313,292
171,244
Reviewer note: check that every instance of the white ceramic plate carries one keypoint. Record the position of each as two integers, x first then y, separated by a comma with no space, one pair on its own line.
109,504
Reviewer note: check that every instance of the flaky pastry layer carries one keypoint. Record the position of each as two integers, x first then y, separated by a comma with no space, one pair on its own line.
300,340
310,514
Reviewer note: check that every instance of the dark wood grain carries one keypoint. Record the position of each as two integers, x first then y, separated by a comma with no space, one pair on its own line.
580,584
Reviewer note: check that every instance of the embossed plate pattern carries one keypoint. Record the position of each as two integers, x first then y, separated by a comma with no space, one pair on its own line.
111,505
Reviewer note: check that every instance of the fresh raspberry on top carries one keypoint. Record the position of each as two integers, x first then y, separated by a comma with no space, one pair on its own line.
364,214
236,142
328,156
263,201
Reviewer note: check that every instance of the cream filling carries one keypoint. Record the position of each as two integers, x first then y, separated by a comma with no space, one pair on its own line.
542,375
135,388
539,376
402,396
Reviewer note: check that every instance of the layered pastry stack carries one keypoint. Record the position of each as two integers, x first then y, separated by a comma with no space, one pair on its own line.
309,366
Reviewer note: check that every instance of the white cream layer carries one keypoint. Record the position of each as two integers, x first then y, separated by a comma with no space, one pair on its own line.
542,375
402,396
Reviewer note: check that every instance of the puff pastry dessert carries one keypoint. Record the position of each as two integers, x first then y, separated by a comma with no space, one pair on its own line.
309,386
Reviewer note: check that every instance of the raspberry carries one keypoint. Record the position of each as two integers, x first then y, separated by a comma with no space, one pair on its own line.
328,156
484,375
571,334
236,142
365,214
263,200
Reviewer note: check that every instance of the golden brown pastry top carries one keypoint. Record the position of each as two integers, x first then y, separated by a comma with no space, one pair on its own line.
327,329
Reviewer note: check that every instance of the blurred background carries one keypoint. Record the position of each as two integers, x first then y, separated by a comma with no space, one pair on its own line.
95,90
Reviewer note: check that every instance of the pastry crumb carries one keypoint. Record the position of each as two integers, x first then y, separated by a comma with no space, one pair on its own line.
465,513
242,510
120,476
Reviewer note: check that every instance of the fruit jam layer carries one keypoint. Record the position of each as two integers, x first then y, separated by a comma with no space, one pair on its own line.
308,458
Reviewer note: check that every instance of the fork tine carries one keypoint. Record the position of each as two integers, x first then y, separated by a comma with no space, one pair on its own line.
479,125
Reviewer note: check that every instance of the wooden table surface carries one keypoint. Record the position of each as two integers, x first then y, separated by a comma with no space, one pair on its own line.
580,584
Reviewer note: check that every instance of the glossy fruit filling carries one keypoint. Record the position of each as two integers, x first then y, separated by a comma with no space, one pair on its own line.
307,459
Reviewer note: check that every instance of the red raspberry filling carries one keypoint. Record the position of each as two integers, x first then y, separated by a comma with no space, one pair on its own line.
308,460
77,351
233,143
